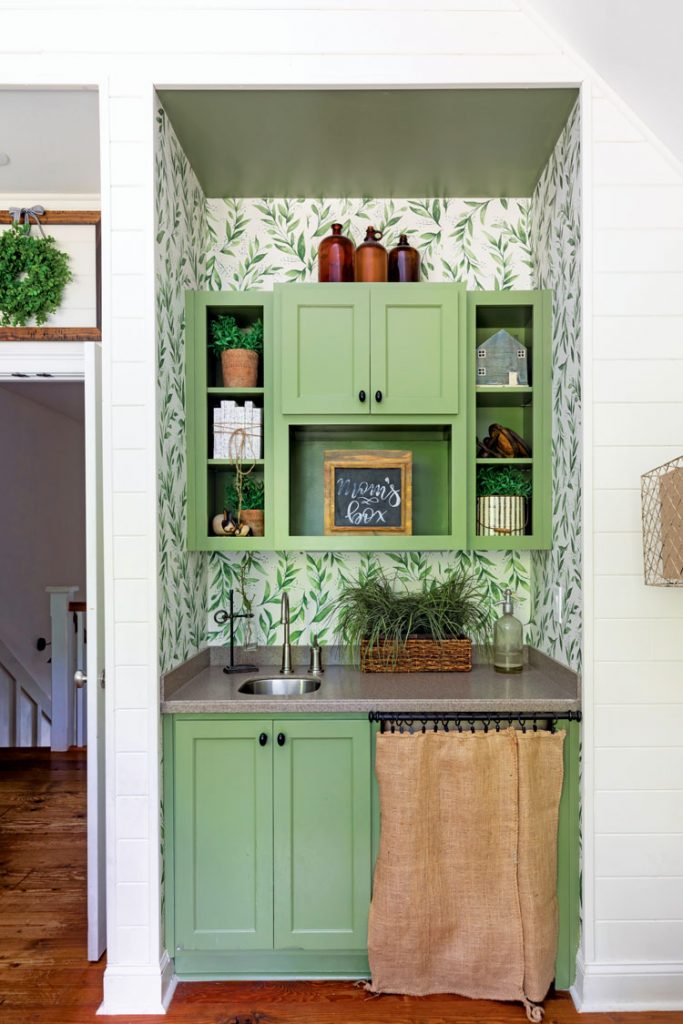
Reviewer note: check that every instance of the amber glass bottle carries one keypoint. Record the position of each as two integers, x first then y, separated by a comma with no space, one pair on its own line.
336,257
404,261
371,258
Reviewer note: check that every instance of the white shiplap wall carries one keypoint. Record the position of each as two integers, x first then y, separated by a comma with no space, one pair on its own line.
632,953
632,829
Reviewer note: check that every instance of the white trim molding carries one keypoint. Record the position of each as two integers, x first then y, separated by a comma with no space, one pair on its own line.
42,360
129,989
600,988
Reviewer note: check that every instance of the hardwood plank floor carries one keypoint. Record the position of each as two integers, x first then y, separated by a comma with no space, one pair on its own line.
44,974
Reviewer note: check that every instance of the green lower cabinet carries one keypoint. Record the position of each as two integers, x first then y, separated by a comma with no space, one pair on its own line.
271,864
322,834
223,826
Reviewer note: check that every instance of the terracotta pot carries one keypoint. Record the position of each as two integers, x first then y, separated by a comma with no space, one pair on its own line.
254,518
240,368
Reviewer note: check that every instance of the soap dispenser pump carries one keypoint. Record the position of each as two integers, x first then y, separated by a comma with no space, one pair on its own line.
508,654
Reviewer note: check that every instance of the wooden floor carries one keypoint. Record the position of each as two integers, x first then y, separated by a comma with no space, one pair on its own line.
46,979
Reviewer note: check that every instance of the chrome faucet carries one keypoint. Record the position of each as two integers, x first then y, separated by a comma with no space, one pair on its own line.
286,666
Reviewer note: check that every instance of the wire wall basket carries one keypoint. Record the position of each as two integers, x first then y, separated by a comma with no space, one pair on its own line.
662,507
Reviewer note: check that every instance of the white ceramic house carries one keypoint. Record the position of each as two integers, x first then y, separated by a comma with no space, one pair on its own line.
630,417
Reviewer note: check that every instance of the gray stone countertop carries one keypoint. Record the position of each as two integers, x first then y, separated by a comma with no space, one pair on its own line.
200,686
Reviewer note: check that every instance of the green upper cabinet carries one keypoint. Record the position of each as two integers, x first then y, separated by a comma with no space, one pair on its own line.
223,828
414,348
322,834
325,348
387,367
382,349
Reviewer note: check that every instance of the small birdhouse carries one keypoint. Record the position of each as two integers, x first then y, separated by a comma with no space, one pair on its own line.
501,360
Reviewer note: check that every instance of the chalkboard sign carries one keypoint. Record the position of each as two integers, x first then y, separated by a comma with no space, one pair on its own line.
368,491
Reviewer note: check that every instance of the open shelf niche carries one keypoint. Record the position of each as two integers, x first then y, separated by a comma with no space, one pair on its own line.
208,476
430,446
523,408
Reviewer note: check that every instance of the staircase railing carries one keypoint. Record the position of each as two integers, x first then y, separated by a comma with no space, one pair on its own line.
25,708
65,650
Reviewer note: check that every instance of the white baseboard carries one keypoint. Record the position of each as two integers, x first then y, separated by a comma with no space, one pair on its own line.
600,988
132,990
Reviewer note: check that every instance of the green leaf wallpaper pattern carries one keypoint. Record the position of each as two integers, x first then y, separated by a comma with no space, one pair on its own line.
253,243
258,242
555,238
312,580
181,245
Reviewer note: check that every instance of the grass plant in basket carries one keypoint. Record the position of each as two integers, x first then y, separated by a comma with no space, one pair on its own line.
394,627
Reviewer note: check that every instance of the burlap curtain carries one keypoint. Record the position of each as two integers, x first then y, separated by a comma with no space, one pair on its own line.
464,896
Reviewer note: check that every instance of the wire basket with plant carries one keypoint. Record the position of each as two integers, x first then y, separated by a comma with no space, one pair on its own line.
393,627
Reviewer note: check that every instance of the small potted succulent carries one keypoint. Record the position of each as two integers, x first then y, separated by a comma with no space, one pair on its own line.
429,627
239,349
503,494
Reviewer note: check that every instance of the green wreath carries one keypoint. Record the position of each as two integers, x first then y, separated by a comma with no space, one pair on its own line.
33,275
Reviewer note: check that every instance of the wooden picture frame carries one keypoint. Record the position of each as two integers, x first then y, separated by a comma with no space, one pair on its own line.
85,217
369,506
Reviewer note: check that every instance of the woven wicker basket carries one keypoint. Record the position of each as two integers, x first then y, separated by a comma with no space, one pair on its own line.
417,655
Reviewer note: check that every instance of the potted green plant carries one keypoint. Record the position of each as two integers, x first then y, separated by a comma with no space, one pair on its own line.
427,628
244,497
503,493
239,349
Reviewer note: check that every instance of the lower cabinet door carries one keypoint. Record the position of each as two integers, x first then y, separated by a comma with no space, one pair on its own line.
321,792
223,828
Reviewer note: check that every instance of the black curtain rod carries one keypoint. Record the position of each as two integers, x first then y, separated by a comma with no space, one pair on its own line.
408,719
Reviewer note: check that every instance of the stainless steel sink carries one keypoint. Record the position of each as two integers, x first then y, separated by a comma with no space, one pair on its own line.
280,686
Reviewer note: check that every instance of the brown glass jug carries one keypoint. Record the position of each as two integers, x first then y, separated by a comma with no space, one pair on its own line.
404,261
335,257
371,258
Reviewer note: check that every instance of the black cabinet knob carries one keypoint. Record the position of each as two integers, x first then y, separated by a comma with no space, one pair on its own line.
263,739
361,396
378,396
280,739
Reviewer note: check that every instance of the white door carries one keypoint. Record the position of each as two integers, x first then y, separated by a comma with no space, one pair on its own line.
97,920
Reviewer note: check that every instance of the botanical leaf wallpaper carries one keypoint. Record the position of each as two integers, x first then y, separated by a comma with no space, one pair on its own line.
489,243
312,580
181,244
555,229
257,242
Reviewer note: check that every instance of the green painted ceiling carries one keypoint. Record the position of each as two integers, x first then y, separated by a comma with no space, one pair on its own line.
419,142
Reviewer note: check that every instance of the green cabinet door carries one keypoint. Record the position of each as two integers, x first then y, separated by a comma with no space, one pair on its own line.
321,787
325,348
223,829
414,349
